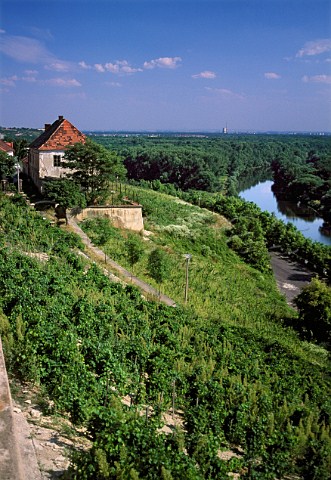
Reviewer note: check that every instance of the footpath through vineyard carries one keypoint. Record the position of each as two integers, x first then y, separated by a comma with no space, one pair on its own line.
125,274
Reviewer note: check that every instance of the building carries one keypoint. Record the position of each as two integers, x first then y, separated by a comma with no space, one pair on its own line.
7,147
46,151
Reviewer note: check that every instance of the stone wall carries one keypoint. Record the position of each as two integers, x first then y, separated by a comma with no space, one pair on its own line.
122,216
10,460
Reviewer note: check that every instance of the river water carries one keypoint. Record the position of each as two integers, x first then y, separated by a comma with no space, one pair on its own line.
303,219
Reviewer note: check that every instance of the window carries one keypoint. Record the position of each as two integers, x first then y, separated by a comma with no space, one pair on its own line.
57,160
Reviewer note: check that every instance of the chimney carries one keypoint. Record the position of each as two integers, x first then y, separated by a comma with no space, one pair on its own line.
47,125
60,117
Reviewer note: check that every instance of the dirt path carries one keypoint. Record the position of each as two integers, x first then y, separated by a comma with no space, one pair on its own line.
143,286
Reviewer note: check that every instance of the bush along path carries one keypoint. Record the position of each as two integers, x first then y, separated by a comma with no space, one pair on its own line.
147,289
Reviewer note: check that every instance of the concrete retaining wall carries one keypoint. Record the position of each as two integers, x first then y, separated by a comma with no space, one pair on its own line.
10,459
122,216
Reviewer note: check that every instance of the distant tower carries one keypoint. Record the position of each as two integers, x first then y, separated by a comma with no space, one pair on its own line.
225,129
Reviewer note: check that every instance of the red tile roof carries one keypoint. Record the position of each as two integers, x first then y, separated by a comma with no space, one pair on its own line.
59,135
6,146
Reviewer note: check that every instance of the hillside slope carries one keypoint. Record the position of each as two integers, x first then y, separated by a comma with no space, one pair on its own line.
225,363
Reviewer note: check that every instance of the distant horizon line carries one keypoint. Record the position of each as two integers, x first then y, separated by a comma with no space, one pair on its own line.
190,132
215,132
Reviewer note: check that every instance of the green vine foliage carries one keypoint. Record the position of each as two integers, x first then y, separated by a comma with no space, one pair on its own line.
90,343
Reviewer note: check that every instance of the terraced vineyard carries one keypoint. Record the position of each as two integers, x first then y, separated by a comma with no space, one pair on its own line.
226,364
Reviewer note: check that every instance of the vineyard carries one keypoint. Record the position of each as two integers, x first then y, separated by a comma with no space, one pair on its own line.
251,396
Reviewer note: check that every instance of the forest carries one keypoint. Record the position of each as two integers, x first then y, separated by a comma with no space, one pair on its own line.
211,163
306,179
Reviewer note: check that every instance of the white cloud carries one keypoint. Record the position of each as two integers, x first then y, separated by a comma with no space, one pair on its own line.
225,93
99,68
317,79
315,47
163,62
59,66
29,78
272,76
62,82
112,67
2,31
31,72
24,49
9,81
205,74
121,67
42,33
84,65
29,50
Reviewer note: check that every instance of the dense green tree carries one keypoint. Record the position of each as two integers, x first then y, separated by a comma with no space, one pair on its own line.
7,165
21,148
314,304
134,249
305,179
158,265
65,192
93,167
326,206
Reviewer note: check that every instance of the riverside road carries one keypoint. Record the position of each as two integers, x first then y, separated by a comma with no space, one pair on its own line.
290,276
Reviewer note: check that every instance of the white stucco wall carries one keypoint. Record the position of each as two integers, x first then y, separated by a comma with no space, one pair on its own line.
46,162
41,166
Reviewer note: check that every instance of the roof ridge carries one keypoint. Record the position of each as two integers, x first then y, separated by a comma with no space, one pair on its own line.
51,140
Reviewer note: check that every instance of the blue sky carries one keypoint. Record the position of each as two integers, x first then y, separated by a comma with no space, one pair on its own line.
253,65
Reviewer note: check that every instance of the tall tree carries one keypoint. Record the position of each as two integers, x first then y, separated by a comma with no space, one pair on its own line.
134,250
21,148
93,167
7,165
158,266
65,192
314,305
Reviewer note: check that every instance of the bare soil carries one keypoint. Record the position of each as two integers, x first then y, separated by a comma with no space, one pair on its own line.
46,441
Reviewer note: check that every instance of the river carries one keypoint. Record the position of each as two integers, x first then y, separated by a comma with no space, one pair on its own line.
303,219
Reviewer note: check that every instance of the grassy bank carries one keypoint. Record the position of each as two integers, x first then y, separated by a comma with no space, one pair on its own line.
221,286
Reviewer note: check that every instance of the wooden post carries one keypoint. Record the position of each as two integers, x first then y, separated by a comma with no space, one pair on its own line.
187,258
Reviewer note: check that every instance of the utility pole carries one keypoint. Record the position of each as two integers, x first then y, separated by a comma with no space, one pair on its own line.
18,168
187,258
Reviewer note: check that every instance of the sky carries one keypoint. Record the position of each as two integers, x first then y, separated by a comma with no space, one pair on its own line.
178,65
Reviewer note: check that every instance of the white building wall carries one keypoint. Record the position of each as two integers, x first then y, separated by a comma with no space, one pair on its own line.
33,167
41,166
46,165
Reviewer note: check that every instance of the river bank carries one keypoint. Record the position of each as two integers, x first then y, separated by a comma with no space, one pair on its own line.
305,220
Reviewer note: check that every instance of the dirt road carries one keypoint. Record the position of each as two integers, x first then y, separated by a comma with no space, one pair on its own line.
290,276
